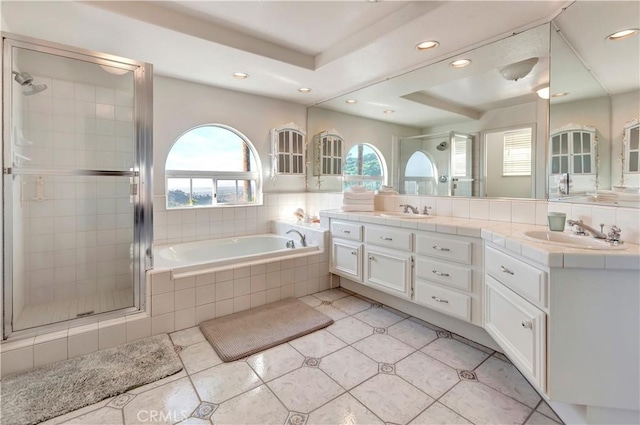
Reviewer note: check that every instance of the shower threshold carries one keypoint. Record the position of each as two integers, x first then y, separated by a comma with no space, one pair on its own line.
79,307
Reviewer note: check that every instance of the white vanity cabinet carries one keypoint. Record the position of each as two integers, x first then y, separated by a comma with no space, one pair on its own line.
448,275
347,250
388,270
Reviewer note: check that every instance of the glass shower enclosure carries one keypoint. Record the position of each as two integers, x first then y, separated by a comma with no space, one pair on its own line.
76,183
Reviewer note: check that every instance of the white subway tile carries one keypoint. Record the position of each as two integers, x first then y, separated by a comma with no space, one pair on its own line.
138,327
162,304
523,212
223,308
112,333
258,299
479,209
185,318
163,324
241,303
500,210
82,340
185,299
17,360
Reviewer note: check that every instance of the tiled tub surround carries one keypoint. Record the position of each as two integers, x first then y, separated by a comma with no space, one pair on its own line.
337,373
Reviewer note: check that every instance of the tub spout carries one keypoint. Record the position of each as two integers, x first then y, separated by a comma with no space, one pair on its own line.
303,238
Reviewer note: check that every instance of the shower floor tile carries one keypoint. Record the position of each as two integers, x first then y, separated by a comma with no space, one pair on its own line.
58,311
344,384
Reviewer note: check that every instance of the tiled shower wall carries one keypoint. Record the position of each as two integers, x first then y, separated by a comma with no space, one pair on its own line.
78,230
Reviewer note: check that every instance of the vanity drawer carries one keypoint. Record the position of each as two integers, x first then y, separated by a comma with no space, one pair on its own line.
458,277
518,327
522,278
389,237
434,246
443,300
346,230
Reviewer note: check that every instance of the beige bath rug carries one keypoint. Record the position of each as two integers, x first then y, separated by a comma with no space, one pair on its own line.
250,331
53,390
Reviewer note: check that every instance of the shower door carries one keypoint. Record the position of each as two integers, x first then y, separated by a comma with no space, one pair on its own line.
76,162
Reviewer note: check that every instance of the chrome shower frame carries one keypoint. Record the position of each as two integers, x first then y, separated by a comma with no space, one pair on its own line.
140,174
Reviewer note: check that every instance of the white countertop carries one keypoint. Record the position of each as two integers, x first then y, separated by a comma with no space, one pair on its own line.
509,236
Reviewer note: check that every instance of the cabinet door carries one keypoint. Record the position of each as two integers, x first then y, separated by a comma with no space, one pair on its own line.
388,271
519,328
346,259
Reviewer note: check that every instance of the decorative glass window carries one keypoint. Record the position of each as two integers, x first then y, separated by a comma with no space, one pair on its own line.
517,152
573,150
288,149
328,161
420,175
632,147
363,165
212,165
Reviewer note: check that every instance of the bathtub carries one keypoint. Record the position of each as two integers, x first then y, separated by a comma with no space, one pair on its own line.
211,254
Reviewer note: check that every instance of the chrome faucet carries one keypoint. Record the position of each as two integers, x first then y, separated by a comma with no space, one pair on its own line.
408,207
303,238
581,229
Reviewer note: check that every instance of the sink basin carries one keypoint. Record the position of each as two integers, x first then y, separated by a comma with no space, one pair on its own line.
570,240
409,216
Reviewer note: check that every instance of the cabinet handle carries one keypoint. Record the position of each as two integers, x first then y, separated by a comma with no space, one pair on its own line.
346,231
439,248
506,270
354,252
437,273
527,324
440,300
385,238
372,258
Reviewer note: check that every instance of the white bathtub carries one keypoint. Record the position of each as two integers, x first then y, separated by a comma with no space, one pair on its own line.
220,252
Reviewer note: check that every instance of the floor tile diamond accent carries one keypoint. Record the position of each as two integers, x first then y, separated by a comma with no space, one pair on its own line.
205,410
380,330
120,401
178,348
376,305
443,334
311,362
296,418
467,375
326,303
386,368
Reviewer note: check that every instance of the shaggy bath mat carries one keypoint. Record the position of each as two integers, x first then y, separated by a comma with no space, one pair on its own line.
59,388
250,331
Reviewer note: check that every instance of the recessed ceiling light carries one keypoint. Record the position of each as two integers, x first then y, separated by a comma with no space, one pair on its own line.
460,63
543,92
304,89
240,75
389,111
351,101
621,35
427,45
560,94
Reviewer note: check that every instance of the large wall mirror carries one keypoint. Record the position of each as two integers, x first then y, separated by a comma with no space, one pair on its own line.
452,130
595,105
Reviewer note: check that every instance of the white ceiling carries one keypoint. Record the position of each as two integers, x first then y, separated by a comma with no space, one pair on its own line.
331,47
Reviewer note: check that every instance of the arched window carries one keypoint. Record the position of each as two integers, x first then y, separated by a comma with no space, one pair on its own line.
363,165
212,165
420,175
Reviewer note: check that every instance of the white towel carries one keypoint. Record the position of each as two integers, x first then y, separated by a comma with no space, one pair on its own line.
358,189
385,188
357,208
387,193
358,195
357,201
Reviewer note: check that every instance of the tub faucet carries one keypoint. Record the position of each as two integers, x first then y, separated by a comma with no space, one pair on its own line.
581,229
408,207
303,238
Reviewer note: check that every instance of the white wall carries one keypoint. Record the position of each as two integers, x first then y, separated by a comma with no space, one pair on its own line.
180,105
527,113
624,108
354,130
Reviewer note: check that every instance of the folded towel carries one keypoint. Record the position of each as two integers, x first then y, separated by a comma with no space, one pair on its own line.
358,195
357,208
357,201
357,189
387,193
385,188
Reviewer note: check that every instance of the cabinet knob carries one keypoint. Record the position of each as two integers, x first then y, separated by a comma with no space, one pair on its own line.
346,231
354,252
437,273
440,300
506,270
372,258
527,324
439,248
385,238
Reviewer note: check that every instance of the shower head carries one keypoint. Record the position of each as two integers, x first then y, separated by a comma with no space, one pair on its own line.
442,146
26,81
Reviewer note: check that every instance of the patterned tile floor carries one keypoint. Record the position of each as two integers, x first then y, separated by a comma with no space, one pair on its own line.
374,365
